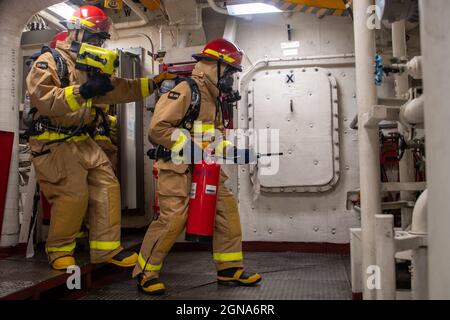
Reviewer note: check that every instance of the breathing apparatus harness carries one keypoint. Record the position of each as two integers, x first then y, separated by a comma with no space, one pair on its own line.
42,124
92,59
160,152
225,102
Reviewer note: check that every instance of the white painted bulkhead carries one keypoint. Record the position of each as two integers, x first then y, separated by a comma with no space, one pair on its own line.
284,217
293,217
302,217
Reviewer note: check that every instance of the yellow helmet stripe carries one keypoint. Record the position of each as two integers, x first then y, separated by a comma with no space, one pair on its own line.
220,55
85,22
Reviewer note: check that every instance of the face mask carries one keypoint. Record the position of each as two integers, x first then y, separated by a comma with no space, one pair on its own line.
226,82
95,39
227,101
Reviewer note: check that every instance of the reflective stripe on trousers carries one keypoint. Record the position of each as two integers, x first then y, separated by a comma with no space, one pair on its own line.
227,257
146,266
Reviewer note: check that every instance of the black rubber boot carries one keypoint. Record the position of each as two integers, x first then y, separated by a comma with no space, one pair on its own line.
153,287
237,277
125,259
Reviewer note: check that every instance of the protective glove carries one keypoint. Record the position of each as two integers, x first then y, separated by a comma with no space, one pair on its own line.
159,153
113,126
163,76
241,156
97,85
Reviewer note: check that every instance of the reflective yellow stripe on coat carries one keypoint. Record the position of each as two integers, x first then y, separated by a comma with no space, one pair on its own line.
99,137
73,102
70,98
145,91
58,136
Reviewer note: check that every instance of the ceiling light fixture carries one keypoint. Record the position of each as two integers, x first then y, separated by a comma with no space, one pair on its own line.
251,8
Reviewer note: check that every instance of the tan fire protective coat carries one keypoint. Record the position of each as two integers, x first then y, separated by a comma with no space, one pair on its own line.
76,176
174,182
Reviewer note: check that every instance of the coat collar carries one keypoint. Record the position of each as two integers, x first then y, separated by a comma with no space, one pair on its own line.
206,73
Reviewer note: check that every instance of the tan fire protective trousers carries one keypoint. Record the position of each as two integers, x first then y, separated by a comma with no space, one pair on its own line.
173,194
77,179
109,149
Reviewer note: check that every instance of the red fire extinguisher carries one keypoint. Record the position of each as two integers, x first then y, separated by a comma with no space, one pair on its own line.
202,205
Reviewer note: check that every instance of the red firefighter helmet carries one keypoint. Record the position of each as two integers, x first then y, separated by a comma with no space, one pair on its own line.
222,50
92,19
59,37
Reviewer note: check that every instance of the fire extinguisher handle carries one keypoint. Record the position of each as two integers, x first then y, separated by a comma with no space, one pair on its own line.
260,155
241,156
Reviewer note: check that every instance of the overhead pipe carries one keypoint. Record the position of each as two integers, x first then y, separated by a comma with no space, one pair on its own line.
152,46
13,17
161,39
216,8
369,151
385,256
406,165
220,10
435,42
399,51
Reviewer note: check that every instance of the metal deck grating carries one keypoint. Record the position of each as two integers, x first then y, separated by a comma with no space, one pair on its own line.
26,278
286,276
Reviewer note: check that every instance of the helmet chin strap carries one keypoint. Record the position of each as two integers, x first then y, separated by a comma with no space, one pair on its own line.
219,64
227,98
219,107
77,34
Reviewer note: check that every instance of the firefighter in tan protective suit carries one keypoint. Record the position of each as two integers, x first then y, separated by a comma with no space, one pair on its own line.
216,64
104,130
73,172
